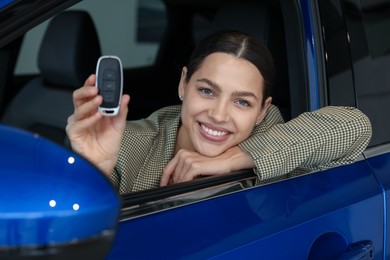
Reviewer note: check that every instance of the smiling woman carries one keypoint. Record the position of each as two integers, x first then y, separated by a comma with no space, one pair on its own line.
226,123
225,101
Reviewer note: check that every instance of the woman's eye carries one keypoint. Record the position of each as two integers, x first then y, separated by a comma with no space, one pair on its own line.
243,103
206,91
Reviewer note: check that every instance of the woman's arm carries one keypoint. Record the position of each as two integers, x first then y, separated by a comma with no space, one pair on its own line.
328,137
187,165
95,137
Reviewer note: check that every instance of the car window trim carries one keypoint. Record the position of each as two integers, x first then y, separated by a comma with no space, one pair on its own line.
138,203
19,17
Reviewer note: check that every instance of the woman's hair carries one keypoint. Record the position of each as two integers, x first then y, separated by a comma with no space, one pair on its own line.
240,45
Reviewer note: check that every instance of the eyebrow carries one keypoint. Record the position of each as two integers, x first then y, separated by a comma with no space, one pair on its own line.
235,93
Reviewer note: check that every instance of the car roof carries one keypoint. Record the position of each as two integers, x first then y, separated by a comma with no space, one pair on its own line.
18,16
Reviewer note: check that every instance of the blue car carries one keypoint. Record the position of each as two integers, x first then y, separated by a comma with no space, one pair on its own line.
55,204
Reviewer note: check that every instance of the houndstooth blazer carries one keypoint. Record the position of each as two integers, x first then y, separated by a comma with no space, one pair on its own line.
328,137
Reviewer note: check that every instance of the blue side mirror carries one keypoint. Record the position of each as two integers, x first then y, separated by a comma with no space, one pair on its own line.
52,202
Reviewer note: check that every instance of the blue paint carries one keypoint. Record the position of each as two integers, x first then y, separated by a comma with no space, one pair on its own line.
263,222
310,55
4,3
49,195
381,166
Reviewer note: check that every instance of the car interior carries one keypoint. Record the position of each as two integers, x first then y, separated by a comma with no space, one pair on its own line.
264,21
44,102
43,105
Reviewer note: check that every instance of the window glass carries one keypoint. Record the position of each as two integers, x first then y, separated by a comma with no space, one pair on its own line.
151,20
118,26
376,21
369,26
337,57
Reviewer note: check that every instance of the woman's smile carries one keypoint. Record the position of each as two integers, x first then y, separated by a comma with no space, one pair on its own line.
222,103
213,133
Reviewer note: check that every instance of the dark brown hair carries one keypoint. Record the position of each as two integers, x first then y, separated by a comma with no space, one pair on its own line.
240,45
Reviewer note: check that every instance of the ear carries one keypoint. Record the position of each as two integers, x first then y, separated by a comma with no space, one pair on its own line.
182,83
264,110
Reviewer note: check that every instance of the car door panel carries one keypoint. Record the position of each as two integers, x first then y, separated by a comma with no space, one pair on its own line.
381,166
288,218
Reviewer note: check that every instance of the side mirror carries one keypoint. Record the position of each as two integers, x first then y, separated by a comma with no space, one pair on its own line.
53,203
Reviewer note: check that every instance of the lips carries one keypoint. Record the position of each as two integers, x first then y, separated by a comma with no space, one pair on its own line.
213,133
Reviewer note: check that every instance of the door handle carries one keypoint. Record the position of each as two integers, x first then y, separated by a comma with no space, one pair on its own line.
362,250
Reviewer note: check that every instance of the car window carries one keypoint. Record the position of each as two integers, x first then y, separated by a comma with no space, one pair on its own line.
128,29
357,54
138,29
368,24
339,77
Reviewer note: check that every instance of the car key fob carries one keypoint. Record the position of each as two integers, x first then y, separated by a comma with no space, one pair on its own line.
109,81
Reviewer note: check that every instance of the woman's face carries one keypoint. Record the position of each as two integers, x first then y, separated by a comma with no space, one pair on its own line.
222,102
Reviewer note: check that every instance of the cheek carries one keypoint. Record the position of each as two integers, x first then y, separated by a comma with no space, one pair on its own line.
188,113
193,106
244,126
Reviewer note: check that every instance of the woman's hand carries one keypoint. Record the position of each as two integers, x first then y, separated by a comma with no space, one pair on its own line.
92,135
188,165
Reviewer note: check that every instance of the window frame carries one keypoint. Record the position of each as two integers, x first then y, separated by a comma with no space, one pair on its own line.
362,60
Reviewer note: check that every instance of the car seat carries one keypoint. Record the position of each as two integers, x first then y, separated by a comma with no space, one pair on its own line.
263,21
67,55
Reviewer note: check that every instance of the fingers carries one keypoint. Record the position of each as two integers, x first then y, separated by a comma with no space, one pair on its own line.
168,171
188,165
90,81
86,102
124,106
88,108
75,124
183,167
85,93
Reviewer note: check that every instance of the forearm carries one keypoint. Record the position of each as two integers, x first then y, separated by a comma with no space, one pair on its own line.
237,159
321,139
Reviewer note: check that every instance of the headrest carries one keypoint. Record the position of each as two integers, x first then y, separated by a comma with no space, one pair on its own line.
253,19
265,23
69,50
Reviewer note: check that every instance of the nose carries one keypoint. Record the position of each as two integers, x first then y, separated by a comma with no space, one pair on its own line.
219,111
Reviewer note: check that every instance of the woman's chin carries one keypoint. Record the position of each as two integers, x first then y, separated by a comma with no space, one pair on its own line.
210,152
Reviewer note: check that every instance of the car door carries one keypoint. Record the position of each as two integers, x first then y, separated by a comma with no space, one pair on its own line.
313,216
357,34
334,213
337,213
369,23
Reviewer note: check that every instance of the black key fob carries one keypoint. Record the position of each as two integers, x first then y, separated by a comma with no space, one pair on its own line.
109,81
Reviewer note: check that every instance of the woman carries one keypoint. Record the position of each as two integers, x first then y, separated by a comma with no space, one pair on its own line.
226,122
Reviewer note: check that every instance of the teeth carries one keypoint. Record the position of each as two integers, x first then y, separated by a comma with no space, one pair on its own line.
213,132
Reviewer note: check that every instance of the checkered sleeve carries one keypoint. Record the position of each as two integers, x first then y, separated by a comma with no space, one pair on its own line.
115,178
147,146
329,137
136,142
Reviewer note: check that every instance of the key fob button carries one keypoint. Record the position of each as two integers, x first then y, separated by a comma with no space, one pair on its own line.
109,96
108,85
109,74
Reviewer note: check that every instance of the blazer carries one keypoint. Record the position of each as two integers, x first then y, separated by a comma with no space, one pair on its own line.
328,137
